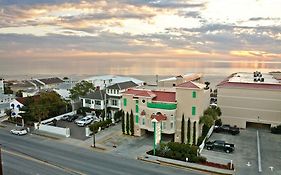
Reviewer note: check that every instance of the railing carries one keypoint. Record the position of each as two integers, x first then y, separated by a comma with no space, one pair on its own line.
166,106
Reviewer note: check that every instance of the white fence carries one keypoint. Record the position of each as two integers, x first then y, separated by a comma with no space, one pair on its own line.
53,129
207,136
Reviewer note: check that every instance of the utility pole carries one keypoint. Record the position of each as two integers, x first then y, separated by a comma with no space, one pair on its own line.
94,138
1,168
105,104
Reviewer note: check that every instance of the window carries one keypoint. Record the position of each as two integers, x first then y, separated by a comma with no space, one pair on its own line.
193,94
193,110
125,101
137,108
88,101
163,125
172,125
114,102
137,101
143,101
143,121
97,102
137,119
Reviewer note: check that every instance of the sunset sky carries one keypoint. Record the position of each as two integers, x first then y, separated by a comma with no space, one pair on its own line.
138,30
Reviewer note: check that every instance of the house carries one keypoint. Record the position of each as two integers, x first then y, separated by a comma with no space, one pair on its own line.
5,100
63,89
1,86
167,107
114,93
174,81
22,85
107,80
250,99
94,100
29,92
50,83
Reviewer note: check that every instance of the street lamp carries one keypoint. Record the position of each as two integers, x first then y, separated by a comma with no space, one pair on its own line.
154,121
1,168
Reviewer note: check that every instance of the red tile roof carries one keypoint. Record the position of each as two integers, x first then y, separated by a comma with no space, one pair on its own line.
159,117
226,83
163,96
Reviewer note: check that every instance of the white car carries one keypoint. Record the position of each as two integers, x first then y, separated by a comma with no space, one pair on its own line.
84,121
19,131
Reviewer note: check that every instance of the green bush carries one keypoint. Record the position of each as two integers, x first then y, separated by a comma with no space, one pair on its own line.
200,140
276,130
178,151
218,122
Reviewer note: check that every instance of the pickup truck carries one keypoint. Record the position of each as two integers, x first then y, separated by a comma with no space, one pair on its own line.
220,145
227,129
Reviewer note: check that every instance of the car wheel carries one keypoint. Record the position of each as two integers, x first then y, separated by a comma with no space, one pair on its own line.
18,134
227,151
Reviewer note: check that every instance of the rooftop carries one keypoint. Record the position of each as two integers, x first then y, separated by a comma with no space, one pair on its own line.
114,79
123,85
161,96
187,77
251,80
191,85
54,80
98,95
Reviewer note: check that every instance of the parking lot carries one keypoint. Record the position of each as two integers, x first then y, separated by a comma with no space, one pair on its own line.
245,156
76,132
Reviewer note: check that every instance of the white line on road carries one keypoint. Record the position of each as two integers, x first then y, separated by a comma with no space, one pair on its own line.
259,151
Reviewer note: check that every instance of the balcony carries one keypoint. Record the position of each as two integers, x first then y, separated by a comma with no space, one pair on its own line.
166,106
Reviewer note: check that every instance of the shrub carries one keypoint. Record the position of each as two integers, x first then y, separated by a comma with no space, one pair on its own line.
276,130
218,122
200,140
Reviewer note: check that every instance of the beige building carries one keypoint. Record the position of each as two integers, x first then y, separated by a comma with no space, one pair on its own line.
250,99
189,99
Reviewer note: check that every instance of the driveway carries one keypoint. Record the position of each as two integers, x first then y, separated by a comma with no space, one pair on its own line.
245,156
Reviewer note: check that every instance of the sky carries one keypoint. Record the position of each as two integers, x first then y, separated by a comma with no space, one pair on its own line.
41,36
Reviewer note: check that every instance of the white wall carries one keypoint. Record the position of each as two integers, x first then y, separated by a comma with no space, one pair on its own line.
55,130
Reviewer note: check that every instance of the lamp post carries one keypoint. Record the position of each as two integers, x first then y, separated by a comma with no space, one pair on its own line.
154,121
1,168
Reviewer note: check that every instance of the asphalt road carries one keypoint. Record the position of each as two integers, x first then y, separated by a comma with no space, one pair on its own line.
36,155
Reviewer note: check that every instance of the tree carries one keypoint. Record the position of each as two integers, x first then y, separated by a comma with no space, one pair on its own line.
80,89
206,120
188,133
8,90
194,133
132,124
94,128
123,122
182,129
19,93
127,124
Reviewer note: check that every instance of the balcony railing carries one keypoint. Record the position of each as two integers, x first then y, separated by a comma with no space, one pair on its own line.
166,106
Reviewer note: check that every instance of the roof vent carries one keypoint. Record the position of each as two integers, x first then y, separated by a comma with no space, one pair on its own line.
262,79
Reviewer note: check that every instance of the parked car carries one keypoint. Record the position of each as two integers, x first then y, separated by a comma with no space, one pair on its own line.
72,118
84,121
220,145
65,117
227,129
19,131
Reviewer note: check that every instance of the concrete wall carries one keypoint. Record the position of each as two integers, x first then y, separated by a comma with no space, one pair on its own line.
55,130
239,106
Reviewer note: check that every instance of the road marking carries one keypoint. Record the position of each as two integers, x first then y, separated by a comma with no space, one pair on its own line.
248,164
259,151
43,162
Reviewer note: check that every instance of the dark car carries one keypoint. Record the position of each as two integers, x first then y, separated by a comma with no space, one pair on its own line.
227,129
72,118
220,145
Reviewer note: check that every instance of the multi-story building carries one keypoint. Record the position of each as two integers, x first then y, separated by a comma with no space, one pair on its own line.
248,99
96,100
189,99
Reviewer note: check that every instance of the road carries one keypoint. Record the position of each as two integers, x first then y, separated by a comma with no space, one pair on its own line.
32,154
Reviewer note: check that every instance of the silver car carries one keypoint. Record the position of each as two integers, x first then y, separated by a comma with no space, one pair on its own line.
19,131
